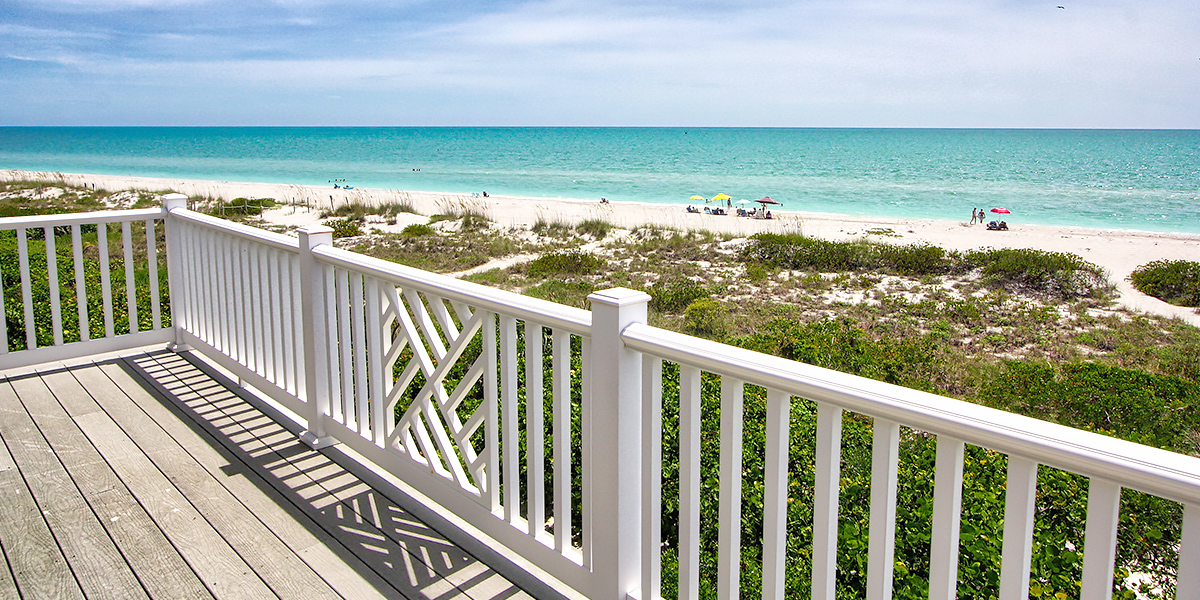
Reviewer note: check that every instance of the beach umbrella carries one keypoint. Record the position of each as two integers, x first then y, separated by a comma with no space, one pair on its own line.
1000,210
721,197
744,202
765,200
698,197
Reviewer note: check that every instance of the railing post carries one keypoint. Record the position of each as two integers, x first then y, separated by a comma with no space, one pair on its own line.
175,260
615,443
315,315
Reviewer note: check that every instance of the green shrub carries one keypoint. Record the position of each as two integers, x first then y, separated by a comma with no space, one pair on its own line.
556,229
1054,274
474,220
597,228
1156,410
675,295
792,251
416,230
566,262
243,207
563,292
705,317
347,227
1174,281
915,259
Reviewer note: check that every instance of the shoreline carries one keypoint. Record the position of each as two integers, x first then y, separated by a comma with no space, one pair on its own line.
1119,251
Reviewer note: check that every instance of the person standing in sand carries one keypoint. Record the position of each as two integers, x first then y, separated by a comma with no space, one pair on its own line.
974,215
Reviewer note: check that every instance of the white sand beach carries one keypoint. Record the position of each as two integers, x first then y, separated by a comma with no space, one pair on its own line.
1118,251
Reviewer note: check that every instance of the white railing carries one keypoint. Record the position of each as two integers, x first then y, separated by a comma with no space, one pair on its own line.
462,391
67,261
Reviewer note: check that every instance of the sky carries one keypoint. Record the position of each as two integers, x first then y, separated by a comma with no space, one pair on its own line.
823,63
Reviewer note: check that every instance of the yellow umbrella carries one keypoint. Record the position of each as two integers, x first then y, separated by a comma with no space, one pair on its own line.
720,197
698,197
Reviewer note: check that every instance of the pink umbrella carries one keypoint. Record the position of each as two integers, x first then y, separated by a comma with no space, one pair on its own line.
1001,211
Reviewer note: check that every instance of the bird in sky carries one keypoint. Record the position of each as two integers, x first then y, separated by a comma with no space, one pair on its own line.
1063,7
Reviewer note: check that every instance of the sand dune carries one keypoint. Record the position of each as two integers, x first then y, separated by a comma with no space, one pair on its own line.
1118,251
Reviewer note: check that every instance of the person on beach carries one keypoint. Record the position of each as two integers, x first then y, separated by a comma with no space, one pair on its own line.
974,215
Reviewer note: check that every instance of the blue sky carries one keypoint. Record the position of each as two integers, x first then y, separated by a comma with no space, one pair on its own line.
866,63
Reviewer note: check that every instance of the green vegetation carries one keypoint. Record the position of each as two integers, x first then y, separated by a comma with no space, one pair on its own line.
417,230
565,262
1051,274
1174,281
12,288
675,295
597,228
1025,331
241,207
347,227
358,210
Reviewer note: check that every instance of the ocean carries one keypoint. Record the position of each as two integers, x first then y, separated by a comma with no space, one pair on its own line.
1124,179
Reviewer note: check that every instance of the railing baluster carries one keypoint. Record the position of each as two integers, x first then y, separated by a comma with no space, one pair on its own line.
729,532
561,366
1188,584
80,283
689,483
131,307
1100,539
1019,507
885,456
254,300
210,258
775,494
652,477
335,364
298,327
947,510
4,317
379,415
26,289
229,327
588,455
491,427
360,355
286,306
511,448
266,328
275,317
105,277
825,501
534,429
52,280
152,265
342,291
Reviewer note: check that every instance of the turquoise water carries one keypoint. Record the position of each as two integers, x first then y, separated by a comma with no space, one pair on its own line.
1097,178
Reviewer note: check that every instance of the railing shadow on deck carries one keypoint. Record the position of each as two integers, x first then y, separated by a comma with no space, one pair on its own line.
391,541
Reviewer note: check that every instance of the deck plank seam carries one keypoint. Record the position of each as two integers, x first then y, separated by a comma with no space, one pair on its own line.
171,481
115,477
214,436
272,448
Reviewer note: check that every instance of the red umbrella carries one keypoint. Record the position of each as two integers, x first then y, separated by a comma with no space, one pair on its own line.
1001,211
765,200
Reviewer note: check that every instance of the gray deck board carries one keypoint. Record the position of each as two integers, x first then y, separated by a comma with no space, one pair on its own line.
37,563
151,476
97,564
277,565
158,565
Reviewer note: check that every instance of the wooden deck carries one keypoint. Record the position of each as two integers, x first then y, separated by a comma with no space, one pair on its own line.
144,476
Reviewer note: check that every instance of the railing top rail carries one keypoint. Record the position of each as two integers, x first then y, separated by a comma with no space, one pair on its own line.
1160,472
275,240
574,320
102,216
